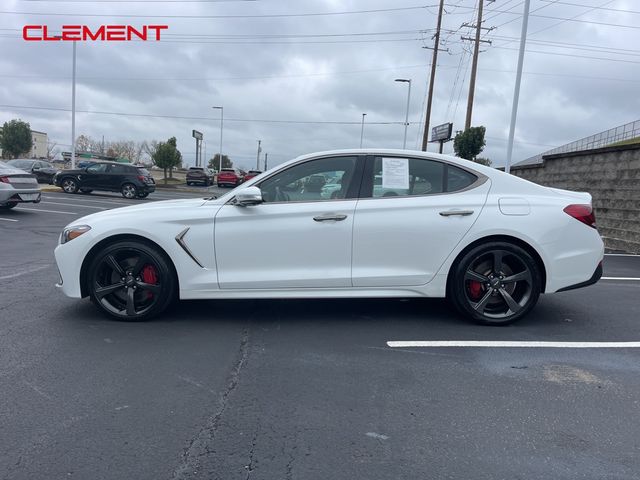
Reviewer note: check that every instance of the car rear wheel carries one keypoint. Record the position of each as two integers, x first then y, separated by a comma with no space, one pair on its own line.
129,190
69,185
495,284
8,206
131,281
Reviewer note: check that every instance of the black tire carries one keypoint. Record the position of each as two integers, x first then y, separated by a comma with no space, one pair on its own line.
495,283
136,298
143,195
69,185
86,190
8,205
189,184
129,191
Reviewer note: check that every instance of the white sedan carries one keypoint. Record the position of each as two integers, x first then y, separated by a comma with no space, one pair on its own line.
436,226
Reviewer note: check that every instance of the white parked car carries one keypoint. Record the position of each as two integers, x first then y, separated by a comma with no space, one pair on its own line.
437,226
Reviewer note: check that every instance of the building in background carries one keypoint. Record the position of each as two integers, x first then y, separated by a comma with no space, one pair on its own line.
39,140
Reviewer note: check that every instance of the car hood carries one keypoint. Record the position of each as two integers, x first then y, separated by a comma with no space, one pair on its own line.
167,210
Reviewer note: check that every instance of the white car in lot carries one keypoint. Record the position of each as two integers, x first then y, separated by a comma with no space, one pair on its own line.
488,241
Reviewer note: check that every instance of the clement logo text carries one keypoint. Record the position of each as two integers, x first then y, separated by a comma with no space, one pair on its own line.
83,33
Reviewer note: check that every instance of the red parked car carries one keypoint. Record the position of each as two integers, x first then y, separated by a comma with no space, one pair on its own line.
251,173
230,177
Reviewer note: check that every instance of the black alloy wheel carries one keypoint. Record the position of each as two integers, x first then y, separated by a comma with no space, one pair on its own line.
495,283
69,185
131,281
129,190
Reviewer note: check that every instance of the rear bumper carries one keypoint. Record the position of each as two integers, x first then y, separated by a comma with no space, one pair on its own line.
14,195
147,188
597,275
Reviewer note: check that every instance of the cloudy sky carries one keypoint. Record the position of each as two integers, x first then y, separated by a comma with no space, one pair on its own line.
298,74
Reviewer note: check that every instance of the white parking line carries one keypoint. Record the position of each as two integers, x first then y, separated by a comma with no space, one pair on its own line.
24,272
75,205
509,344
620,255
8,219
85,199
43,210
624,279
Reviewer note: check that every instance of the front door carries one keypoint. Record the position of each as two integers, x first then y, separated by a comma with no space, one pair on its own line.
95,177
300,237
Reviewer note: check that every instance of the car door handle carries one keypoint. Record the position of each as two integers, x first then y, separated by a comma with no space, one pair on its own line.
330,217
451,213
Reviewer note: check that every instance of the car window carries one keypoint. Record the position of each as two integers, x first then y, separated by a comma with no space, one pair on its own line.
143,171
394,177
22,164
97,168
307,181
458,179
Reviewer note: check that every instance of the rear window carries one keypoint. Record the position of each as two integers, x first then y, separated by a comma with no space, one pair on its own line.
198,169
229,170
458,179
143,171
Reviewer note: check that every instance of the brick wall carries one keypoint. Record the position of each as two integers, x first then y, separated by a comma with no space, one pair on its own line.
611,175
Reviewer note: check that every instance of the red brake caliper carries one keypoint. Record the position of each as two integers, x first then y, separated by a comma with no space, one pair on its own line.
475,289
149,275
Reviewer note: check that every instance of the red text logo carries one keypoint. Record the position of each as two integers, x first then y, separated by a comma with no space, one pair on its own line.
83,33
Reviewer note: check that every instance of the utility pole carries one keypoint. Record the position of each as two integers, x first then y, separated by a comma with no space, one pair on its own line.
362,129
474,64
266,156
516,91
432,78
258,156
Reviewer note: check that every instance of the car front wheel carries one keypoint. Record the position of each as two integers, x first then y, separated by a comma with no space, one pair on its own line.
131,281
129,190
69,185
495,284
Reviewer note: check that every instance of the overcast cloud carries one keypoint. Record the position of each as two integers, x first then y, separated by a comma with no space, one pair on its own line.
202,62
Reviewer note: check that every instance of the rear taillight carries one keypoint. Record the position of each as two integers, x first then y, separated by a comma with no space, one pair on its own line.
141,178
583,213
4,179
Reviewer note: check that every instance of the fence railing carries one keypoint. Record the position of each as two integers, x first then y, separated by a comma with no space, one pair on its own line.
602,139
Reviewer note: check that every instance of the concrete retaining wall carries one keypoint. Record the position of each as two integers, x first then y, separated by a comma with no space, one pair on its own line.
612,176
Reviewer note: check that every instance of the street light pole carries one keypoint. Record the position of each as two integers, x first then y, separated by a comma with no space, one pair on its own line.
362,129
73,109
221,120
406,117
258,155
516,91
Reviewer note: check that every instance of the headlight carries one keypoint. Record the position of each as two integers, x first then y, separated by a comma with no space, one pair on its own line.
70,233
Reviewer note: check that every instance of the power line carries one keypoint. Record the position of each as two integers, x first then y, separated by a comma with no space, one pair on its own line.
208,119
607,9
262,15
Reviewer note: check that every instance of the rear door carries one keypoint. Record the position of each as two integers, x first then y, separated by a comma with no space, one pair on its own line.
412,214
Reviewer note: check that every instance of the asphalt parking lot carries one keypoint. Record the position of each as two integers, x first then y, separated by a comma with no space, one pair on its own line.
307,389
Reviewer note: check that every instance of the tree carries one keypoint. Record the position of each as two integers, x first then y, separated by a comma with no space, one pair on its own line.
15,139
470,143
214,162
52,150
167,156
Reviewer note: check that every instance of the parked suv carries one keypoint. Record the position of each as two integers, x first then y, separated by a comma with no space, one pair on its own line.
131,181
230,177
199,175
44,171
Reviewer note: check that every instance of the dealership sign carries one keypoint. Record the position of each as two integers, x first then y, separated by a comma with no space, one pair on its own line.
442,133
103,33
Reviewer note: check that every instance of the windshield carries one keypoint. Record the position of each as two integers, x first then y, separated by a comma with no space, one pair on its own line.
20,163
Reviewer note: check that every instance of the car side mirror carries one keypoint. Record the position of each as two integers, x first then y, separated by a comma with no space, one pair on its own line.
249,196
35,169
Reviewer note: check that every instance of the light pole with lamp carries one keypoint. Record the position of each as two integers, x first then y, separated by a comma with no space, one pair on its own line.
221,120
406,117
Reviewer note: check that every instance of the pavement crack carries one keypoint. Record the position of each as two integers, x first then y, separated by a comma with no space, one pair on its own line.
199,445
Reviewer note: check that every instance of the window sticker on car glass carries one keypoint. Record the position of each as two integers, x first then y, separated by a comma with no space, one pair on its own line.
395,173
